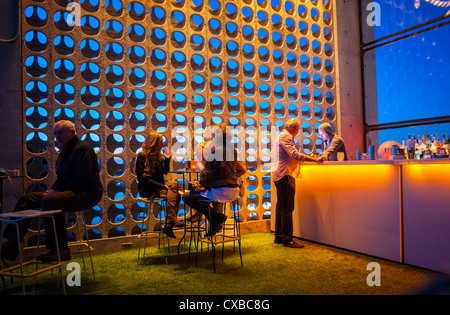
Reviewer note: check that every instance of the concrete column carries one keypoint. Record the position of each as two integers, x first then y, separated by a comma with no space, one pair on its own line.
348,75
10,98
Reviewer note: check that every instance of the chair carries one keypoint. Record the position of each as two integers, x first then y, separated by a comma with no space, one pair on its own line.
225,236
15,217
148,234
81,221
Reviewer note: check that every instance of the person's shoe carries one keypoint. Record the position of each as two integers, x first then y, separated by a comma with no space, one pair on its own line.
220,218
293,244
216,225
168,230
218,207
214,230
10,250
278,240
196,217
52,255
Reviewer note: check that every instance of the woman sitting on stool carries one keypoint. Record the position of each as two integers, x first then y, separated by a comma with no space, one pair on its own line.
151,166
219,177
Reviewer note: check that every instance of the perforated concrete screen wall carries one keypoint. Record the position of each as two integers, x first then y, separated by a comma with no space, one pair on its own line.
121,68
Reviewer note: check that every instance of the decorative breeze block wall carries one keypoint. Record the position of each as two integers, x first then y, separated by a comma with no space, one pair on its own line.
173,66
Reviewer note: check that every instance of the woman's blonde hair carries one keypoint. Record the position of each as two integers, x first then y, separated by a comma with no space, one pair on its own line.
151,149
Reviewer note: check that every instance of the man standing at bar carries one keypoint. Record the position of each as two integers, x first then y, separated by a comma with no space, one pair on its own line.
77,187
287,160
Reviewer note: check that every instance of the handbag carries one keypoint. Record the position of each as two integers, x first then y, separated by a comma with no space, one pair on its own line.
195,186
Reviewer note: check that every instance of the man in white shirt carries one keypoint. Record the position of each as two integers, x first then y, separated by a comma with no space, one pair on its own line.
287,160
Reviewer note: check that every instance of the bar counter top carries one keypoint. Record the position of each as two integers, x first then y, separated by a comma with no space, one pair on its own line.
377,162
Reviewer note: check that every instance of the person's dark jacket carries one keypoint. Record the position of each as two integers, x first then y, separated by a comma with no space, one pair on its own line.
148,185
219,172
77,168
334,145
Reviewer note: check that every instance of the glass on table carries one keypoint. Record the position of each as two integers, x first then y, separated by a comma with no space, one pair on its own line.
166,152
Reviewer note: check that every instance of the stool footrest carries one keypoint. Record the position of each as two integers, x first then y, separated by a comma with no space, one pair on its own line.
81,251
6,273
150,234
222,239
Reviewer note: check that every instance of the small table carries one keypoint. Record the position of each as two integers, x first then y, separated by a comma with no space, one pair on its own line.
183,172
15,217
191,228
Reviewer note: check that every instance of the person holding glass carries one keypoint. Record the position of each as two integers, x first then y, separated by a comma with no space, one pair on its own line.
152,163
219,178
202,150
334,146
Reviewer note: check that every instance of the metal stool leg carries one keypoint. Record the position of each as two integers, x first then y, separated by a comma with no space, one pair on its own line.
59,256
81,223
88,244
161,233
20,258
142,232
80,237
161,203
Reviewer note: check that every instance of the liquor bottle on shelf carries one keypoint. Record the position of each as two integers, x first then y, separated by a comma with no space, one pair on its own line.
433,148
423,145
445,145
418,154
410,148
426,147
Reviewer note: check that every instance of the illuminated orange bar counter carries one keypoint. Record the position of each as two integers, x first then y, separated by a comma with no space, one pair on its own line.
397,210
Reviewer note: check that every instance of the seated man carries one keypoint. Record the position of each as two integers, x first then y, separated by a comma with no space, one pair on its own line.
77,187
333,143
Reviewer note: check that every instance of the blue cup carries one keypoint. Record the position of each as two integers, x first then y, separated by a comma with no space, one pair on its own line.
372,152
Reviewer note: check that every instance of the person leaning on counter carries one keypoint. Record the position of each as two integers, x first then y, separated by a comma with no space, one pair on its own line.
286,165
333,144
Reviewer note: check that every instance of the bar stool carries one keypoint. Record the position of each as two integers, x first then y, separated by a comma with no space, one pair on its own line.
84,246
162,203
224,237
14,218
193,229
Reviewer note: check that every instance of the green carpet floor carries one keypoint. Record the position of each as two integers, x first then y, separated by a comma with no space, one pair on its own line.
268,269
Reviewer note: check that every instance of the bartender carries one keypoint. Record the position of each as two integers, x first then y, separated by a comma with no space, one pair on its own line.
334,145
